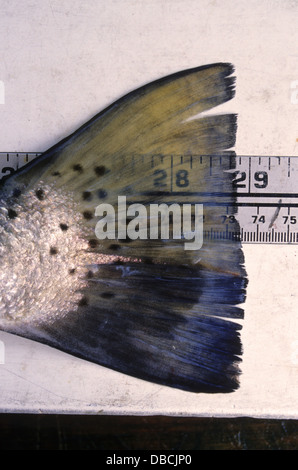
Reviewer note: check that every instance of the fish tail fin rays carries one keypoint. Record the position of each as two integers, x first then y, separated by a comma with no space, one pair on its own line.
146,307
170,325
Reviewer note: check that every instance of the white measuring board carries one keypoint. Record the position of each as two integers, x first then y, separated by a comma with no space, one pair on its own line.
267,216
63,62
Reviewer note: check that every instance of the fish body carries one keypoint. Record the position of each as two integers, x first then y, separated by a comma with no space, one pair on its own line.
144,307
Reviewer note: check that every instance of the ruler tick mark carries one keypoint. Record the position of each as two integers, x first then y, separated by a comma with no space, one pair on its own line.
171,173
249,173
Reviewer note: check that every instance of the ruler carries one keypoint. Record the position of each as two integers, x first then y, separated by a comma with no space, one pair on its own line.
12,161
266,188
267,198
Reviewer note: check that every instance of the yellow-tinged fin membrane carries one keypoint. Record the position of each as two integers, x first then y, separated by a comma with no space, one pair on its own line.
146,307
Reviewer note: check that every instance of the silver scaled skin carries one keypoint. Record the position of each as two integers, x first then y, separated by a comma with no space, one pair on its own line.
44,258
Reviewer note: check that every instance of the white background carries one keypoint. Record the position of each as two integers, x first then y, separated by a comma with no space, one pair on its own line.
62,61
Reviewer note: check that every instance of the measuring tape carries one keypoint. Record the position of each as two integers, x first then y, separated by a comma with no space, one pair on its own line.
266,187
267,198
